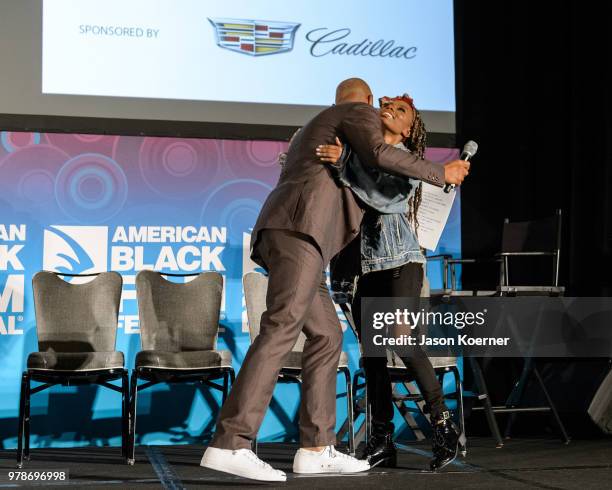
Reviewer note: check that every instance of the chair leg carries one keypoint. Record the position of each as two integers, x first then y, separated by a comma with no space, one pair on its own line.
564,436
20,431
354,387
461,419
509,424
516,395
407,412
132,432
368,415
26,425
225,387
359,435
349,411
125,414
481,386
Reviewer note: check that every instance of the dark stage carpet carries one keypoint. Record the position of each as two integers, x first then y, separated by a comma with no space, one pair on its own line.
521,463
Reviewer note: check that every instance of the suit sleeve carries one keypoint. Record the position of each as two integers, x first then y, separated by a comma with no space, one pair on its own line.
362,129
337,168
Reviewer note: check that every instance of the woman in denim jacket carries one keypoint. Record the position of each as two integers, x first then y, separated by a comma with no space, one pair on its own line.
387,261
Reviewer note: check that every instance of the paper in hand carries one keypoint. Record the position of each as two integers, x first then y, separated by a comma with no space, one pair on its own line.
433,213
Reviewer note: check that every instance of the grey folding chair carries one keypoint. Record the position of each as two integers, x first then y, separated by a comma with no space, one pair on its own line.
179,324
76,325
255,288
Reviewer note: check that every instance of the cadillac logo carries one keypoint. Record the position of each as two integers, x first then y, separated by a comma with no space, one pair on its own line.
254,37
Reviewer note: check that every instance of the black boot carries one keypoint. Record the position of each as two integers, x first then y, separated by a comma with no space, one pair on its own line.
380,450
445,441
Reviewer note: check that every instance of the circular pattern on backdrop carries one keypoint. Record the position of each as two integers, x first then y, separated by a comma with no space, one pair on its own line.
89,138
240,155
76,144
235,205
27,178
37,186
12,141
179,159
91,188
178,168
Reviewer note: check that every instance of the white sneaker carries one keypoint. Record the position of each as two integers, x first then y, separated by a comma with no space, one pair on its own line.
327,461
241,462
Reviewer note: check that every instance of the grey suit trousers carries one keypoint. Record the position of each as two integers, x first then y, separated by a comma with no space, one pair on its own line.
297,299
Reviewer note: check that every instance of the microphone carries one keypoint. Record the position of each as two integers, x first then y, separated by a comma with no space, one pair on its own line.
469,150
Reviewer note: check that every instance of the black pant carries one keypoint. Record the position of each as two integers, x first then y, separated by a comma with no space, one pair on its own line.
403,281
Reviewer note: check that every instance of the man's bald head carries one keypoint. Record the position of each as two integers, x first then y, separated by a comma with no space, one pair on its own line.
353,90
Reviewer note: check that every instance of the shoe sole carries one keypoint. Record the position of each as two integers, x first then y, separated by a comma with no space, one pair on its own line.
219,467
444,465
325,471
390,462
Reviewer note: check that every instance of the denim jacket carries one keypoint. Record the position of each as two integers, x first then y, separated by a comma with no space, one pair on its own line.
387,240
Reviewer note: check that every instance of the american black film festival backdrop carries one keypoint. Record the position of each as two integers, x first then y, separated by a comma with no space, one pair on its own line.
84,203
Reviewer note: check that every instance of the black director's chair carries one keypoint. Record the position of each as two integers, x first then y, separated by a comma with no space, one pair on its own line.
534,239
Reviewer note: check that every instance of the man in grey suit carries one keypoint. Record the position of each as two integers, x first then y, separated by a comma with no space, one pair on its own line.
304,222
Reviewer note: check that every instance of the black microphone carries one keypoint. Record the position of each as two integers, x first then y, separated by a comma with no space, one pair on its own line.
469,150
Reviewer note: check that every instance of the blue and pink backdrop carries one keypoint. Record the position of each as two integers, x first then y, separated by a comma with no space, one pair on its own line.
83,203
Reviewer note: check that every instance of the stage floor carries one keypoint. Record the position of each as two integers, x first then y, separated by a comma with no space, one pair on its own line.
521,463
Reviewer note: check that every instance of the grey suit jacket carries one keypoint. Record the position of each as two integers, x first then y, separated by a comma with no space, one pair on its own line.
308,200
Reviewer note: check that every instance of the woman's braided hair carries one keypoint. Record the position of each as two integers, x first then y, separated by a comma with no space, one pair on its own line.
416,142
